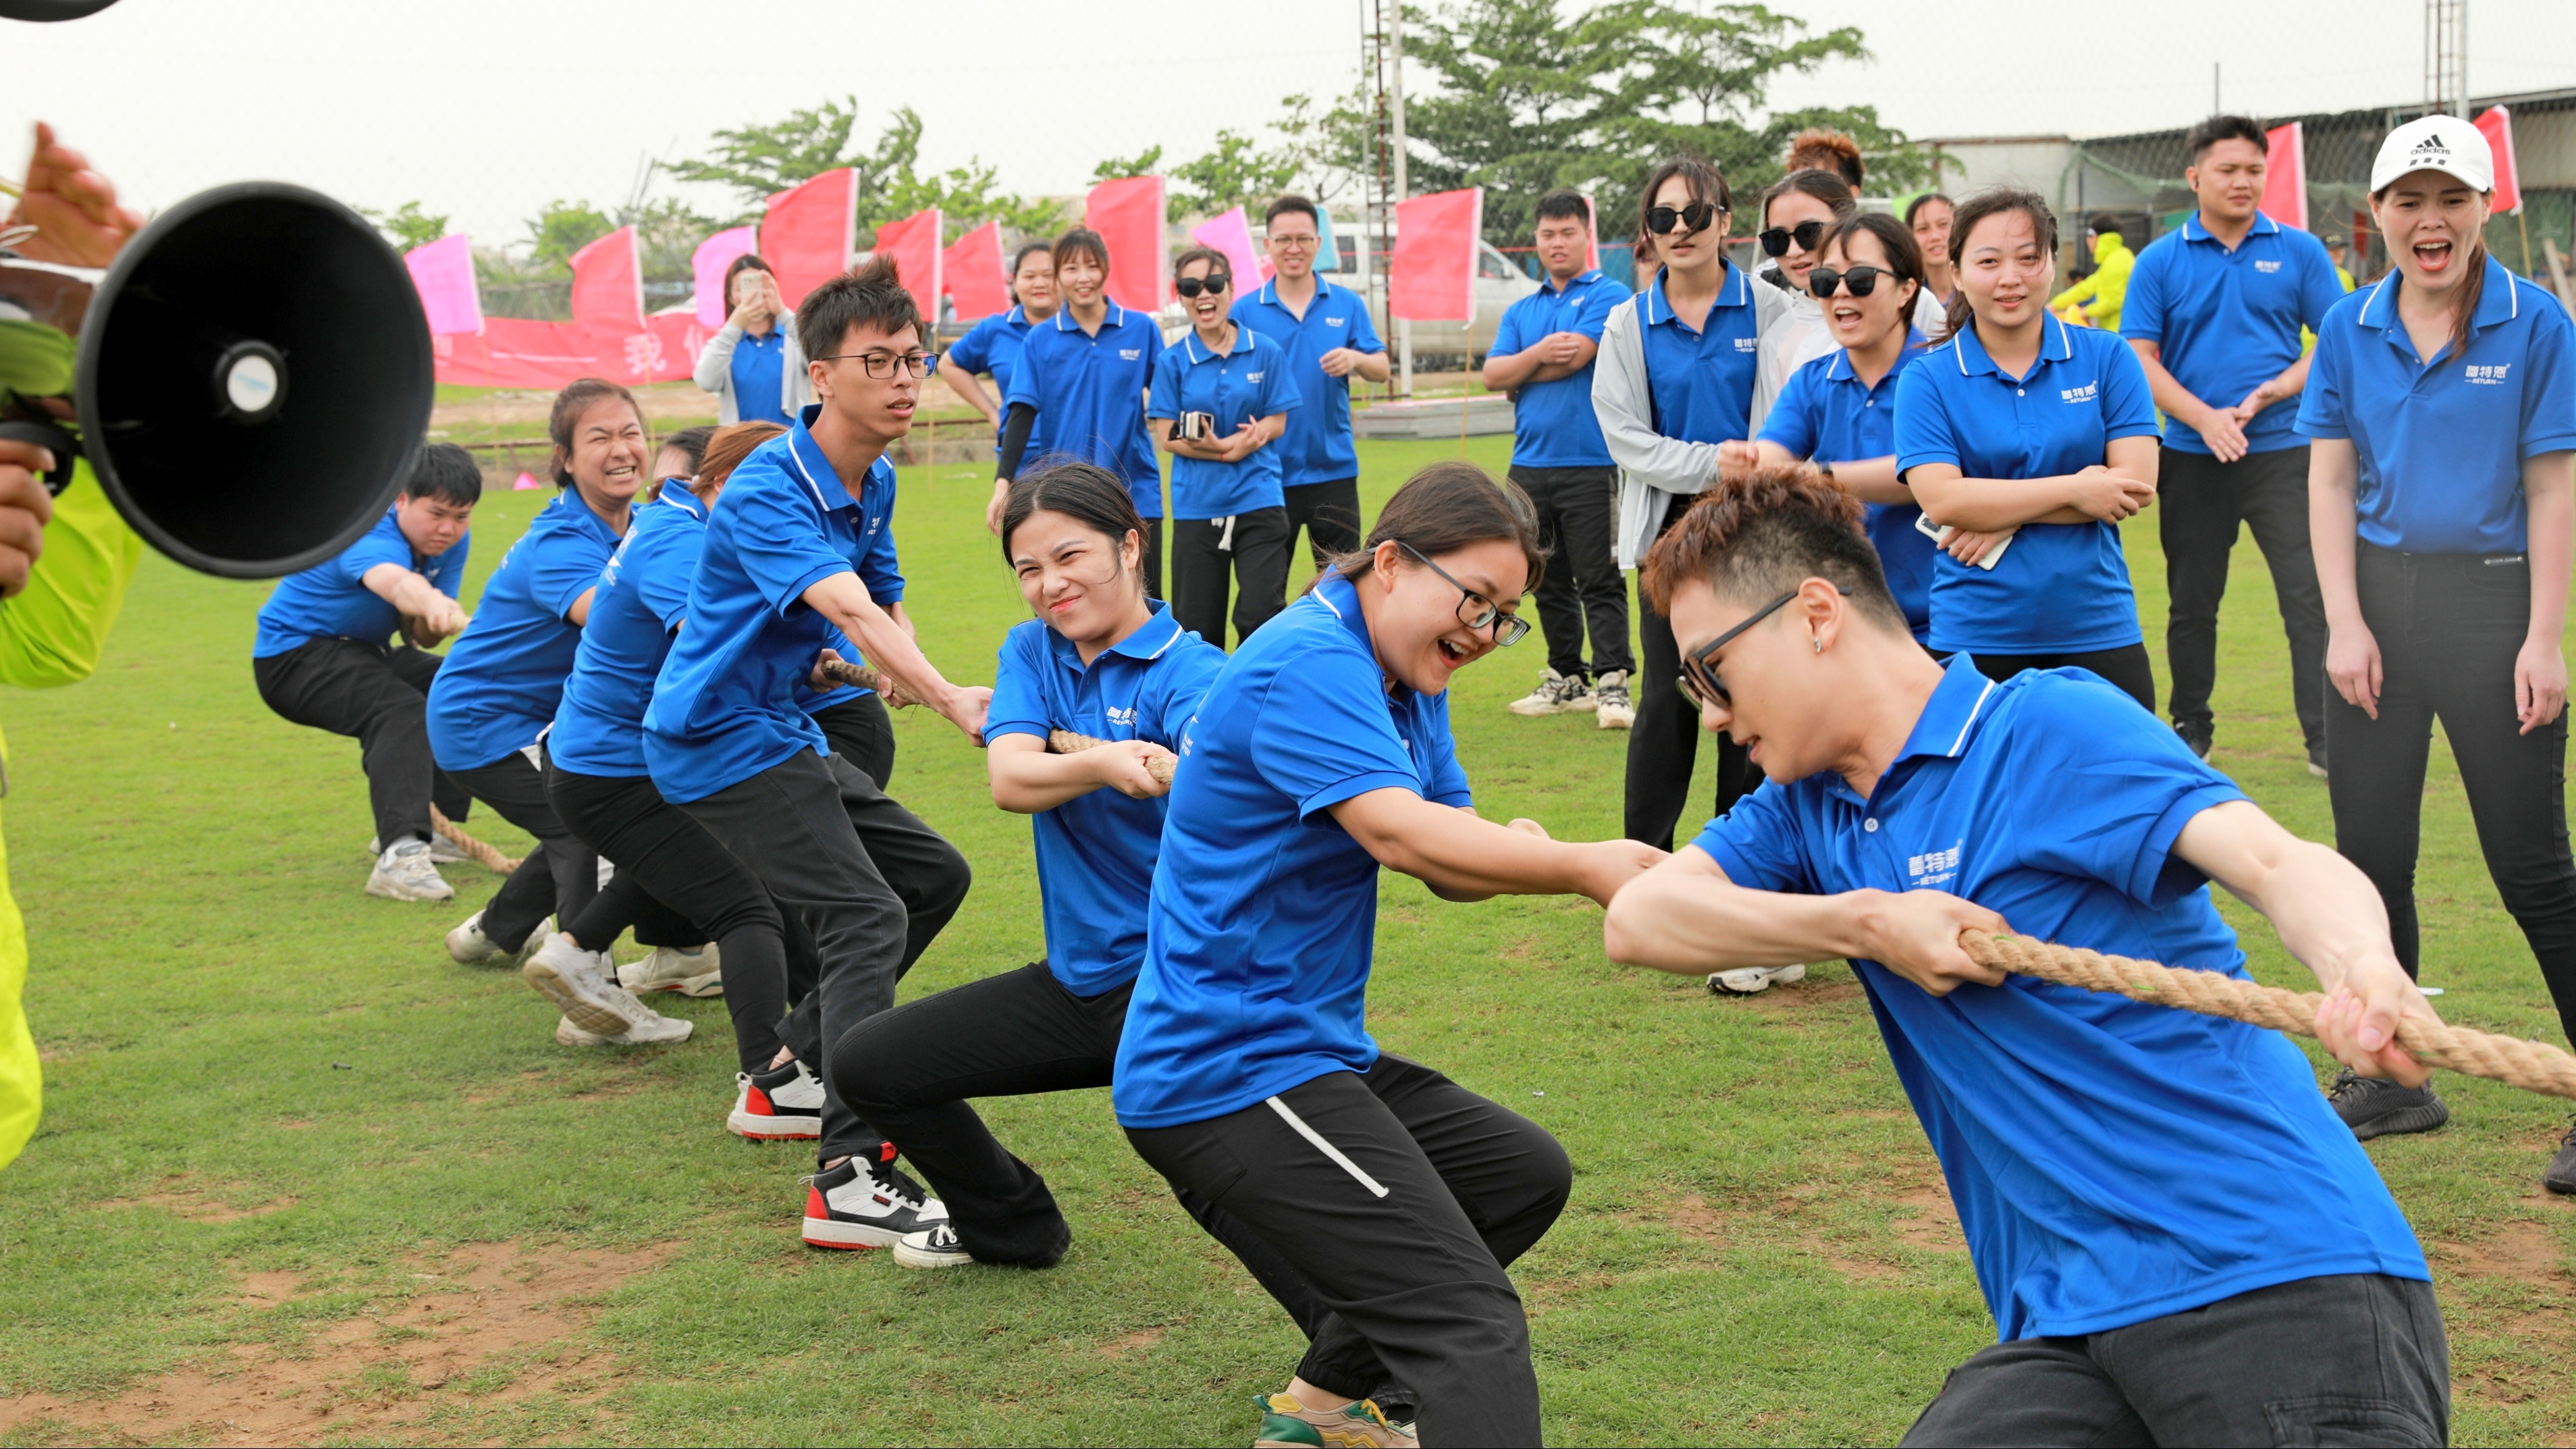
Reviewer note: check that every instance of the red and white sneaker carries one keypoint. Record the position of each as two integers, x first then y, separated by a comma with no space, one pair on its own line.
777,1106
867,1205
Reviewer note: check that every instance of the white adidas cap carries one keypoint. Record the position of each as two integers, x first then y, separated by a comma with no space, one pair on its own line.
2435,143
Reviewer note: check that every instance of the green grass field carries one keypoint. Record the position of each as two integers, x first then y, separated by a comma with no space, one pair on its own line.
303,1179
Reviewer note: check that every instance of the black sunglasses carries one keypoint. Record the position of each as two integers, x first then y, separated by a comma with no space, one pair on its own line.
1775,239
1192,286
1862,280
1509,629
1692,218
1699,682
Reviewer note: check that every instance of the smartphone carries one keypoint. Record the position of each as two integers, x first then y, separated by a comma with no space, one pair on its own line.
1936,532
1195,427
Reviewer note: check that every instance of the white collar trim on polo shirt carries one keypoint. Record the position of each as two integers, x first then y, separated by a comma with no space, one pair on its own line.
1970,723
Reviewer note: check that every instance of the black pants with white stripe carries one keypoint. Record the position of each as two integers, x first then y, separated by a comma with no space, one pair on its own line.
1248,551
1400,1196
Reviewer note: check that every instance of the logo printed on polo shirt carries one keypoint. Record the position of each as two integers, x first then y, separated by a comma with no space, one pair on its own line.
1252,377
1748,344
1933,868
2489,374
2086,393
1119,716
1333,321
1130,354
2267,266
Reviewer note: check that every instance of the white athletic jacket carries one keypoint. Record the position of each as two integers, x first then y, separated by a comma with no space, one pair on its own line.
1653,469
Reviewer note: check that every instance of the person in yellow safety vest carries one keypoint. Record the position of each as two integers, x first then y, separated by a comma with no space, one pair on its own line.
63,566
2101,293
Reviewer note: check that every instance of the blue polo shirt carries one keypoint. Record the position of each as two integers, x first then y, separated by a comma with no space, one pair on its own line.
1701,383
2062,588
2441,446
330,601
1552,422
1257,951
759,371
1096,852
1246,384
643,595
993,346
1317,446
2226,322
2111,1161
725,705
1089,390
505,674
1825,415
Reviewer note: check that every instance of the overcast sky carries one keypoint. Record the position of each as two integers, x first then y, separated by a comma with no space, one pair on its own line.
485,110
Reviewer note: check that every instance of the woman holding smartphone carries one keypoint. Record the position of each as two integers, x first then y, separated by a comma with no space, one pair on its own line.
1673,380
2442,405
1221,399
2028,441
753,364
993,346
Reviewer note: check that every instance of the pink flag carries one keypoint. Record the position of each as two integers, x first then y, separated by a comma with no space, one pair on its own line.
1432,275
444,272
1232,235
972,268
608,282
1128,215
808,232
913,244
2285,176
2497,126
708,267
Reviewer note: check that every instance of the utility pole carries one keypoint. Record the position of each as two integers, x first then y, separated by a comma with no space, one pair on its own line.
2446,56
2216,106
1403,190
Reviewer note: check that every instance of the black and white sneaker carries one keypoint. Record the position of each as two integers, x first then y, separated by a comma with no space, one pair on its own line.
777,1106
2377,1107
867,1205
2197,736
936,1248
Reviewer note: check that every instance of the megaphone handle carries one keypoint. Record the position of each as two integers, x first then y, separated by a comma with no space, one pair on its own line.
64,447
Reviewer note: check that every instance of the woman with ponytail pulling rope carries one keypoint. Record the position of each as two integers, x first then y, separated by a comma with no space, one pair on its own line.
2027,442
2441,405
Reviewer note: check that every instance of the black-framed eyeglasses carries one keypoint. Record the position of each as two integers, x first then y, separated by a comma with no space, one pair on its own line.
1700,683
882,365
1192,286
1775,239
1692,218
1509,629
1862,280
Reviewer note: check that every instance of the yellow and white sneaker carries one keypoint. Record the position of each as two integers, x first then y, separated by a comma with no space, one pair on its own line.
1289,1424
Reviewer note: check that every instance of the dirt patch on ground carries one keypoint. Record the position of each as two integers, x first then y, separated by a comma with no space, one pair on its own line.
1137,1342
2526,1252
486,1324
204,1202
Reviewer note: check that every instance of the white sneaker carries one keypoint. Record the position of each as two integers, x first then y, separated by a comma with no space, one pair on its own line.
471,947
785,1105
1751,980
567,1034
577,981
668,968
867,1205
1556,694
1615,710
441,850
407,873
935,1248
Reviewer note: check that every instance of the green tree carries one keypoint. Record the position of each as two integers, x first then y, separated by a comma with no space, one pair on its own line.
1239,172
563,228
760,161
406,226
1520,103
1118,168
667,234
967,197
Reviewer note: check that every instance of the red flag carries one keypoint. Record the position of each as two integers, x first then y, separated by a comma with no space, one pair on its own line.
608,282
513,352
1129,217
973,271
1432,275
808,232
913,244
2285,176
2497,126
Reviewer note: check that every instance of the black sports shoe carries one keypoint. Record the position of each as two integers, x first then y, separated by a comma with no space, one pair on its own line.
2196,736
2377,1107
2561,1176
2317,762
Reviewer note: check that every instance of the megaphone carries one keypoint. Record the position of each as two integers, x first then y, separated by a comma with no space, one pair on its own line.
251,379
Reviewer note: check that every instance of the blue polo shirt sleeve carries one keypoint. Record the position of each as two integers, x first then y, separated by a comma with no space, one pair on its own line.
2322,411
778,546
1923,430
1757,843
664,592
1024,377
1507,333
1019,685
1363,331
2549,394
1448,778
2114,786
378,546
1333,739
878,568
974,351
563,572
1792,421
1598,303
1278,392
1178,682
2128,404
2142,312
1169,368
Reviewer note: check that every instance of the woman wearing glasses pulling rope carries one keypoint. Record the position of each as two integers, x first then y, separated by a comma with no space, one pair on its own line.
1246,1074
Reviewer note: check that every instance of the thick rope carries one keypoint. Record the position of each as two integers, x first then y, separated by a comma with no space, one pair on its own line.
490,858
2530,1065
1066,742
866,678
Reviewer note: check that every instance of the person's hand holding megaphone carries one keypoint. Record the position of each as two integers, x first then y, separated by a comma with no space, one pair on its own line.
25,508
72,208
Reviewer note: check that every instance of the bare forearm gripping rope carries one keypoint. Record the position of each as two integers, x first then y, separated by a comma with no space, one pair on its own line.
490,858
1066,742
2525,1064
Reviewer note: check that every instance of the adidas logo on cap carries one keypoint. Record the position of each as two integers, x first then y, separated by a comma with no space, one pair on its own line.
2430,146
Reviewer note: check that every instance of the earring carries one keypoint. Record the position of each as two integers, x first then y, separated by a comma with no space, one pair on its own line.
1819,643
